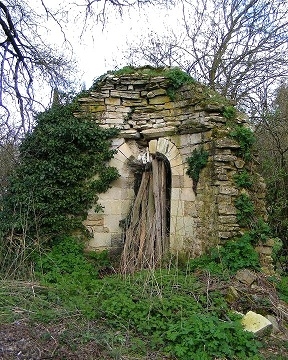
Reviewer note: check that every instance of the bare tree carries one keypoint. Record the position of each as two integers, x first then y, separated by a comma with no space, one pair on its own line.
272,141
234,46
27,60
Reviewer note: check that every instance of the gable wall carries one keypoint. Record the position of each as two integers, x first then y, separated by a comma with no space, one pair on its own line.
151,122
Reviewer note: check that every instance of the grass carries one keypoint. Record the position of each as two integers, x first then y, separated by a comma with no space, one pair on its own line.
179,312
150,313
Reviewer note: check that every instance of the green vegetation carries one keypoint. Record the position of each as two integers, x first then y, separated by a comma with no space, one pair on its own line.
245,209
243,180
196,162
62,167
167,310
175,76
246,139
229,112
225,260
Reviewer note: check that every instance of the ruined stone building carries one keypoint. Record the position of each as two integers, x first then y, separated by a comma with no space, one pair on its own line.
166,123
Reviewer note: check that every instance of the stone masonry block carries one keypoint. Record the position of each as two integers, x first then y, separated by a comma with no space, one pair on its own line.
177,169
94,219
162,146
264,250
102,240
176,161
176,208
153,146
114,206
187,194
226,209
228,190
257,324
159,100
113,101
112,222
227,219
178,181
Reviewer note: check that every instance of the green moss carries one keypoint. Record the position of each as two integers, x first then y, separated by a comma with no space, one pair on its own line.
175,76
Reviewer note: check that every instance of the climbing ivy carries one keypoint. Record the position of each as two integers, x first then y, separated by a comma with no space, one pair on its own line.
196,162
63,166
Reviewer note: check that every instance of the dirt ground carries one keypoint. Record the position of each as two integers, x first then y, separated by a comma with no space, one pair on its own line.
23,341
69,339
39,342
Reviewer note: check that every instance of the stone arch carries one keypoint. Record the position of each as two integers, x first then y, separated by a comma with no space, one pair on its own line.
182,196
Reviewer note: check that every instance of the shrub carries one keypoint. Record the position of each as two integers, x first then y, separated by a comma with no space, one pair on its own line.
67,261
246,139
54,185
245,209
243,180
234,255
229,112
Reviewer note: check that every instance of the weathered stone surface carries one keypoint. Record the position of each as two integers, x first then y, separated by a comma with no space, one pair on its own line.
274,322
112,101
232,295
239,163
267,250
159,100
228,190
156,133
257,324
246,276
227,209
156,92
153,146
227,143
227,219
225,158
151,123
134,102
130,134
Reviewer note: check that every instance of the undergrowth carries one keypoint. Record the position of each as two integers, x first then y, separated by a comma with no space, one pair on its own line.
168,310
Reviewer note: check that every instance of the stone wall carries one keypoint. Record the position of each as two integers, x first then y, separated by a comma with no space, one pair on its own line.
150,122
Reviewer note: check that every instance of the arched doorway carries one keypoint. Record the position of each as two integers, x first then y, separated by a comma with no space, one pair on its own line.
147,231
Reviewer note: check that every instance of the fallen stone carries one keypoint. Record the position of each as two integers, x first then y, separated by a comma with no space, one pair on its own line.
257,324
275,325
232,295
245,276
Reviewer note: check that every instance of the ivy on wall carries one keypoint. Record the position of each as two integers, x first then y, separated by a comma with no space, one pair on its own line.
246,139
63,166
196,162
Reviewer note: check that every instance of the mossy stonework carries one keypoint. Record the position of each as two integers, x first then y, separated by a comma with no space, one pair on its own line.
153,124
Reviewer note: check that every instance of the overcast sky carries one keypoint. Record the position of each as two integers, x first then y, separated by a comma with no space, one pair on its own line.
102,47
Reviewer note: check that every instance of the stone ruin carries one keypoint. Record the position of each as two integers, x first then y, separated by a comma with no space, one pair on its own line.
154,125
